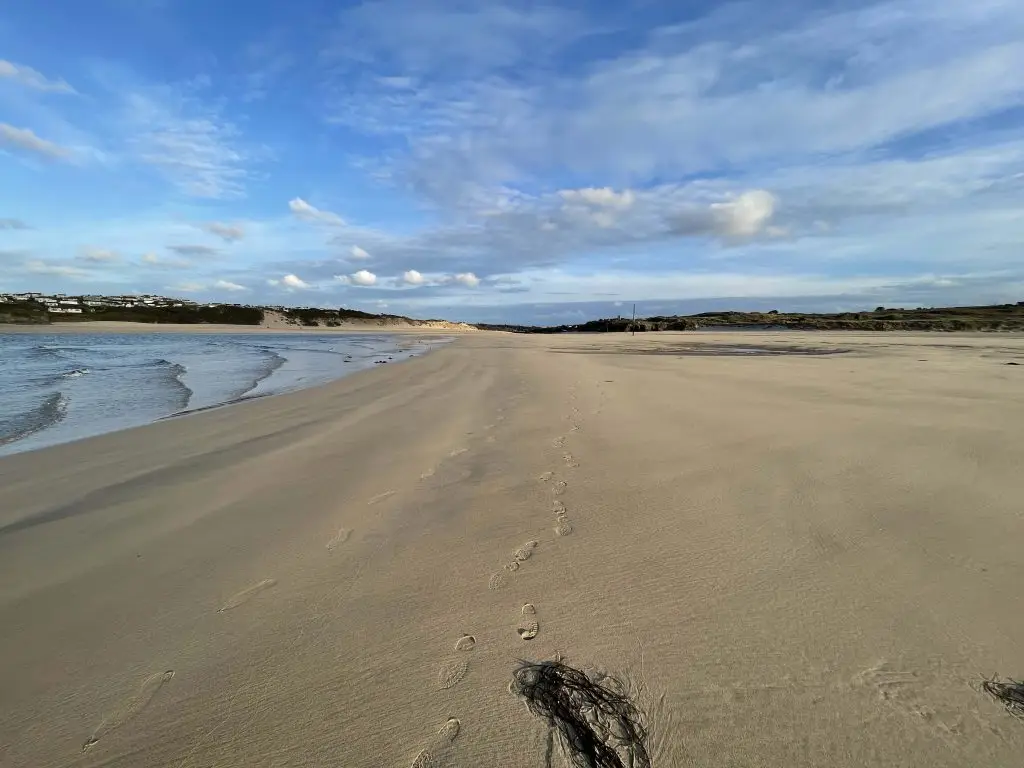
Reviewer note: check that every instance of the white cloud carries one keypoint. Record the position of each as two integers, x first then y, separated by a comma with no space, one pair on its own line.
293,281
150,258
229,286
100,256
13,224
227,232
39,267
746,215
359,253
363,277
468,279
31,78
412,277
24,139
307,212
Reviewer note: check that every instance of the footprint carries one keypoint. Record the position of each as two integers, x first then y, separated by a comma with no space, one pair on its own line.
135,705
380,497
546,476
513,566
427,758
451,673
563,528
497,581
558,442
569,460
247,594
559,488
457,452
528,627
465,643
523,553
338,539
558,507
429,473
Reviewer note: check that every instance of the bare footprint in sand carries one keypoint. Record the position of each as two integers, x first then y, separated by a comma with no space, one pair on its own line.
558,442
429,756
465,643
569,460
559,488
428,474
528,628
545,476
133,707
497,580
247,594
562,527
380,497
457,452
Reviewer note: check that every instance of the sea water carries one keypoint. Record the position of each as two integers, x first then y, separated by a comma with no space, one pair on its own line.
58,388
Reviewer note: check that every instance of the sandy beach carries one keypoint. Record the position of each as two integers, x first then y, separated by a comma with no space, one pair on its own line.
799,559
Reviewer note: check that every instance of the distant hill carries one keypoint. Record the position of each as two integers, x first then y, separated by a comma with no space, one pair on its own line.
999,317
35,313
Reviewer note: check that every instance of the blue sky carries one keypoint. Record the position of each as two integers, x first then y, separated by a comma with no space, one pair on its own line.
515,160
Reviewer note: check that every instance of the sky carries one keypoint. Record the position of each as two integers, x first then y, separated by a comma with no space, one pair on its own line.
515,160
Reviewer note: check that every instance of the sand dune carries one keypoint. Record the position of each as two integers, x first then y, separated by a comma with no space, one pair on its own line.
784,559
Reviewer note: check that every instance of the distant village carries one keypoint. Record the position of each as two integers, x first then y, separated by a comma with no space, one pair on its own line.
62,304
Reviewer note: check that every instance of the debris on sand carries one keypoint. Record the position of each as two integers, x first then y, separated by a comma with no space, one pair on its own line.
597,725
1010,693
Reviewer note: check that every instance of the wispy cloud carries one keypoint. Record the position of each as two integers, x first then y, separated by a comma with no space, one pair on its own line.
100,256
25,140
188,143
31,78
227,232
40,267
13,224
227,285
358,253
154,260
303,210
193,250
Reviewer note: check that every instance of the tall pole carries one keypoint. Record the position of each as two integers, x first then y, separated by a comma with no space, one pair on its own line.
633,324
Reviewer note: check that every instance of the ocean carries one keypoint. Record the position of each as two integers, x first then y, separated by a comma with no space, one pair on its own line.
58,388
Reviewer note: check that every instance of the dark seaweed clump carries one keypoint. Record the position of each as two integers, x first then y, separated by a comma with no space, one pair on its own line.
1010,693
598,726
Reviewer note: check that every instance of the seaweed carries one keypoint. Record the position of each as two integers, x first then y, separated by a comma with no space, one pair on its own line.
597,724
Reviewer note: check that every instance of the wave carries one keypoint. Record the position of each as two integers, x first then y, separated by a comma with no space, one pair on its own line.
175,372
75,373
50,411
272,362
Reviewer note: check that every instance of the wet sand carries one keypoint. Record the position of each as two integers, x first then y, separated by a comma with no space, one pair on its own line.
813,558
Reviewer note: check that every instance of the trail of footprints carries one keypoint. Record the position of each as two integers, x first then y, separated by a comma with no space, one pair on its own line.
451,671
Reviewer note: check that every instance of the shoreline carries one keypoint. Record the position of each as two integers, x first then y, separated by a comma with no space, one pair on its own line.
385,348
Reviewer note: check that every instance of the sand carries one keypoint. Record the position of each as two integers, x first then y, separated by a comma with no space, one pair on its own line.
815,559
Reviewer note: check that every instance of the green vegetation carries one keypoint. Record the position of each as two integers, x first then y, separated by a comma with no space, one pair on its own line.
23,313
189,314
1000,317
332,318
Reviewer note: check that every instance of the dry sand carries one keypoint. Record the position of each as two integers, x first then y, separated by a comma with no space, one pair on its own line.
816,558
